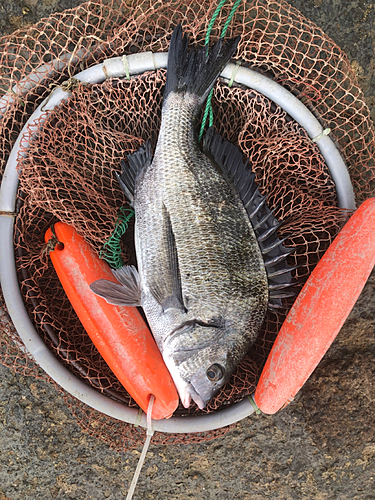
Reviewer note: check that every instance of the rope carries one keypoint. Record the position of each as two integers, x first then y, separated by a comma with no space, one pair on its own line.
230,17
234,74
208,112
124,60
322,134
111,251
150,433
212,22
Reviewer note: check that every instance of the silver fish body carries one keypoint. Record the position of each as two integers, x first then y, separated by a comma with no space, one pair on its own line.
221,269
209,260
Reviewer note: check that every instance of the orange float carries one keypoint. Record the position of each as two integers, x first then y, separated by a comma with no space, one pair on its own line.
119,333
319,311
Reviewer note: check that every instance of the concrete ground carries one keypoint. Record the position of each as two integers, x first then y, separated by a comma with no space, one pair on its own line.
321,446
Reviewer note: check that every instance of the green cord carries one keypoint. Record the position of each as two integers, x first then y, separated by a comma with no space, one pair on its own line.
211,119
230,17
212,22
208,110
111,251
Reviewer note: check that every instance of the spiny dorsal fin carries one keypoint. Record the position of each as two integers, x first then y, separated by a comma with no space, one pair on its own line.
229,158
136,162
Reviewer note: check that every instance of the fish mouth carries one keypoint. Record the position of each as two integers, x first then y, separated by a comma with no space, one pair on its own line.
185,389
188,393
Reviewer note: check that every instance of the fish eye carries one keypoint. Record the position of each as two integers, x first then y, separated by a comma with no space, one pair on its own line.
215,372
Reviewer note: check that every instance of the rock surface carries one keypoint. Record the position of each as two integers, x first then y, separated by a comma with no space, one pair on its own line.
321,446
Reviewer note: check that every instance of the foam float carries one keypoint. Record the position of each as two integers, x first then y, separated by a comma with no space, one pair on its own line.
319,311
119,333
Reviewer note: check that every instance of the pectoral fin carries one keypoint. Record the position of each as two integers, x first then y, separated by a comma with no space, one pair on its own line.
166,285
125,293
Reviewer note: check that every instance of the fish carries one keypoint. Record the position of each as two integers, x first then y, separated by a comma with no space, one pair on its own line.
209,261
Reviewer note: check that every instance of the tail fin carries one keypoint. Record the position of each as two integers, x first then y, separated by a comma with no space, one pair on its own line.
196,71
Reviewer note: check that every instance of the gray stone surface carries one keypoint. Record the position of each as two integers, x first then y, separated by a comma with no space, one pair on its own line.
321,446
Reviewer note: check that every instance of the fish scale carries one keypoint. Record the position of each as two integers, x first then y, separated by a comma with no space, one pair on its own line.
214,237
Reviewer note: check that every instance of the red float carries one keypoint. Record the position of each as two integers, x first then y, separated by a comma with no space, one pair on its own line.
119,333
319,311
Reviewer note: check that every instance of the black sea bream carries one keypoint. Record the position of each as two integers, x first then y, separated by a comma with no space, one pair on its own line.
209,261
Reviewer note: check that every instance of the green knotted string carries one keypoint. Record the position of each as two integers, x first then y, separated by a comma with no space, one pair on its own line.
111,251
208,112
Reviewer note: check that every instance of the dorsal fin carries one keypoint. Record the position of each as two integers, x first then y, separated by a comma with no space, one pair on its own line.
229,158
136,162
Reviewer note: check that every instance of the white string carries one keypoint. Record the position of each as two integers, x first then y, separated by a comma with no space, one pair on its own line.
150,433
234,74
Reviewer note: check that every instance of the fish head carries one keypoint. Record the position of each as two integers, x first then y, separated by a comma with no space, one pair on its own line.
200,361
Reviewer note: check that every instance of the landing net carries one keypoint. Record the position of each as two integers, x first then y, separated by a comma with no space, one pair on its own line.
68,172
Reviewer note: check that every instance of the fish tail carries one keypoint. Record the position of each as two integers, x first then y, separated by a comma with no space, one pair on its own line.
196,71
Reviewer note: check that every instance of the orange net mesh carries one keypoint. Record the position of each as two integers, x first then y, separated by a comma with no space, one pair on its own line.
68,171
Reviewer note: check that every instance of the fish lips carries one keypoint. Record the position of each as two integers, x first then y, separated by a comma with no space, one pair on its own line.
187,391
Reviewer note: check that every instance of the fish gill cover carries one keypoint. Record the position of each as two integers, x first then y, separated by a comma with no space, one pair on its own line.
68,172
